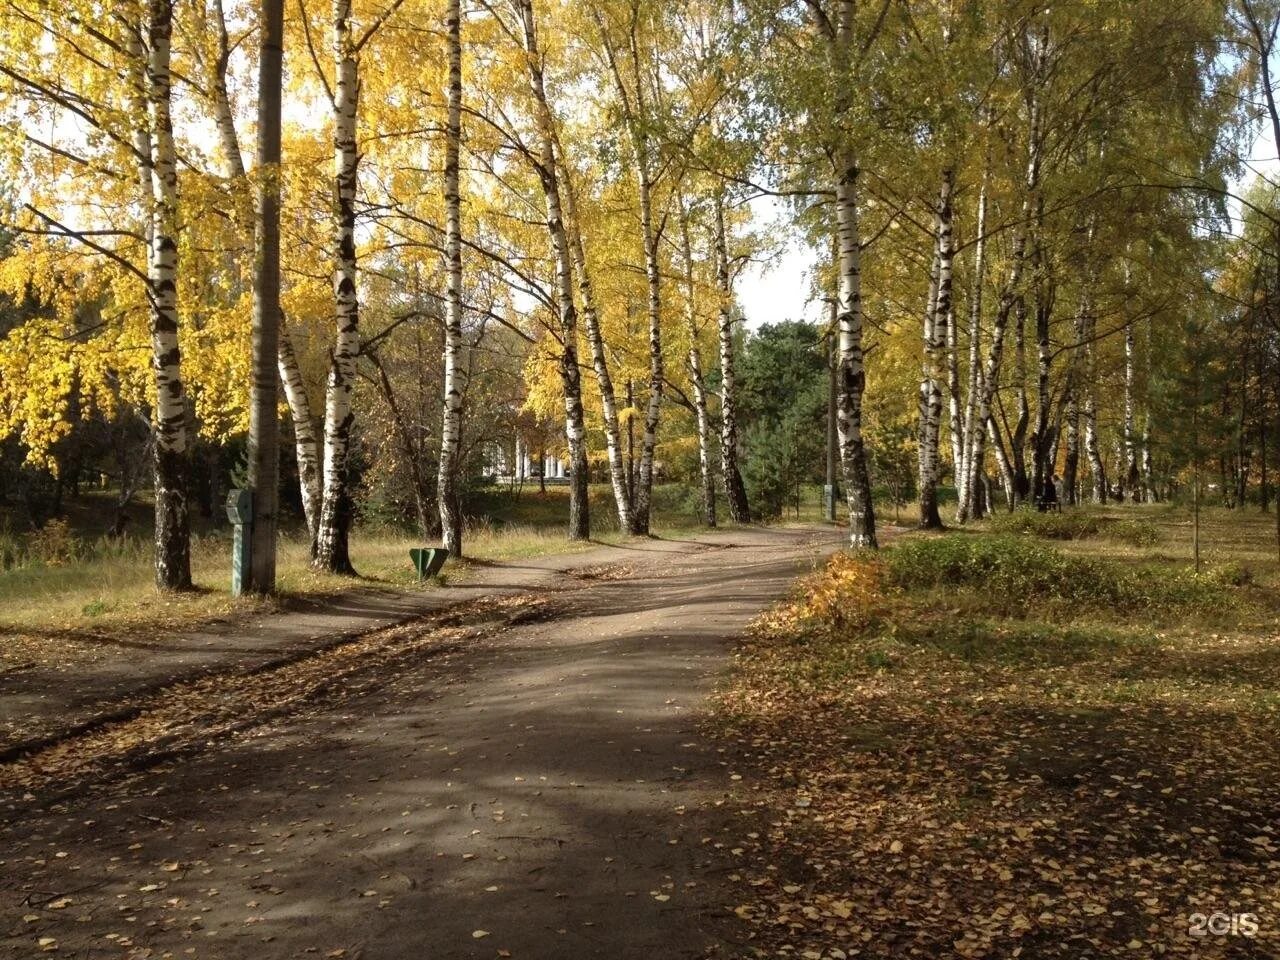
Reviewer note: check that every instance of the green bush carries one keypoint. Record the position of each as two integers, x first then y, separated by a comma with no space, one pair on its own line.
1047,526
1075,525
1010,572
1136,533
1229,574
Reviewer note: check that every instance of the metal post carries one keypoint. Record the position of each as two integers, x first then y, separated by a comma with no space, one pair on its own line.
240,513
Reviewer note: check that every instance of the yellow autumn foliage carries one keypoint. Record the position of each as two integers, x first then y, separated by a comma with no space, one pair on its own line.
849,592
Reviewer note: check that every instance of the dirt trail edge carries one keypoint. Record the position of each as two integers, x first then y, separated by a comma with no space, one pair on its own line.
110,675
539,791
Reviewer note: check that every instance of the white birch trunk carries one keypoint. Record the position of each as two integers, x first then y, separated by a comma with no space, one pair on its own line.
223,118
954,415
853,378
635,116
332,547
595,341
1089,411
735,489
305,439
1010,296
937,318
696,379
570,375
971,424
643,492
1008,478
451,426
1071,463
1148,472
1131,477
172,526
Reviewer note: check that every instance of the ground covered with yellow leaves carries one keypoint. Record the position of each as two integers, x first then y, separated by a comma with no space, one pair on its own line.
986,746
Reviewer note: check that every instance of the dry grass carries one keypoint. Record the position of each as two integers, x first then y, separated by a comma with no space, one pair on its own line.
938,771
67,582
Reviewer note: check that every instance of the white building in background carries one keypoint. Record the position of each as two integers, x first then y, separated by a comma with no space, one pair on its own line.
526,465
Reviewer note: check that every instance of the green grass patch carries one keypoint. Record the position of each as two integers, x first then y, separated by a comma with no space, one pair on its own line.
1008,573
994,718
1076,525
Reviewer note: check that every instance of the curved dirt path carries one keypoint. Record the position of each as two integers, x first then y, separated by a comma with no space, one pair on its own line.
540,791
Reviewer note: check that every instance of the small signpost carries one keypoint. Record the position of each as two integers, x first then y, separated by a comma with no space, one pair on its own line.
428,560
240,513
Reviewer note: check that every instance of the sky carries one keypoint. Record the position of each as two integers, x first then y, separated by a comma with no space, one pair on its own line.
779,289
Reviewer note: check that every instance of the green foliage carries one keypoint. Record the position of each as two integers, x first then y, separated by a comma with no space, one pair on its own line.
1075,525
892,447
1018,644
1136,533
1012,572
783,403
1047,526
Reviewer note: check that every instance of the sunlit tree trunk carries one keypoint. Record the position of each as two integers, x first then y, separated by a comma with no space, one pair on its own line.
643,494
570,375
955,419
1018,436
332,547
966,507
1071,462
1131,476
599,359
223,117
735,490
306,444
1044,436
987,386
637,119
1090,413
305,440
696,379
937,316
451,426
264,425
1010,296
1148,471
172,524
853,377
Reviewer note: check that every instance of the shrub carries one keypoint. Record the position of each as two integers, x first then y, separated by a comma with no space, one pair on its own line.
1230,574
1136,533
53,544
847,593
1010,572
1075,526
1047,526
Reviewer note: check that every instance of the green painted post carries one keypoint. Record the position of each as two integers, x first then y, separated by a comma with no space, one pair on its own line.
240,513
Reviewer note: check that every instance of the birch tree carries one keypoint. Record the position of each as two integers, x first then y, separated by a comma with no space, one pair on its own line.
173,524
451,429
701,417
629,68
332,552
264,432
937,318
566,307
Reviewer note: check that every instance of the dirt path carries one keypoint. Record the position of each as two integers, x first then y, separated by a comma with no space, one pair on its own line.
77,680
537,791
